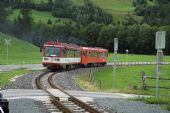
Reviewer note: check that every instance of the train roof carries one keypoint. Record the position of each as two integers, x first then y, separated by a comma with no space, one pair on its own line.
59,44
73,46
95,49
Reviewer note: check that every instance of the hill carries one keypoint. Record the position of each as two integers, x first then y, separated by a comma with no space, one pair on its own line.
42,16
118,8
19,51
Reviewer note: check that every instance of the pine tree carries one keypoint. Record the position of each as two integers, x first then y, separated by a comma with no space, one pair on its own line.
3,13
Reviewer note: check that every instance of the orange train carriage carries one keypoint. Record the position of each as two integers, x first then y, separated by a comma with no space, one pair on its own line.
62,55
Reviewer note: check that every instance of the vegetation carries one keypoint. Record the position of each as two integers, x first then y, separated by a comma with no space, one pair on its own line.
39,16
3,13
118,8
157,14
135,58
92,26
20,52
6,76
165,102
128,79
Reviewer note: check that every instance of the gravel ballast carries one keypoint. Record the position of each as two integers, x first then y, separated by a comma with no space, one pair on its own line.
23,82
26,106
127,106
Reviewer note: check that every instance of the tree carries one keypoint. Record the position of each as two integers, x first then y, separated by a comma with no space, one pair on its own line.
3,13
92,33
25,20
62,8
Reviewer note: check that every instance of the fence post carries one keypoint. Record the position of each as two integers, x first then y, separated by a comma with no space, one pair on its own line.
144,80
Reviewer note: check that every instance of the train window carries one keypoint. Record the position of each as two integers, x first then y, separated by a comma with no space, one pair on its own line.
52,51
47,51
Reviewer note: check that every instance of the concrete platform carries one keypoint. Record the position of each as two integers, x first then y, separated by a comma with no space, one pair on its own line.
58,94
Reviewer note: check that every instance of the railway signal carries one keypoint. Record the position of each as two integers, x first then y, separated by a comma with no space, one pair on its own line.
7,43
159,45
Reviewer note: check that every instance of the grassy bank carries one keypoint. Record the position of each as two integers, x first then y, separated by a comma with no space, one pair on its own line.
6,76
164,102
20,52
135,58
128,80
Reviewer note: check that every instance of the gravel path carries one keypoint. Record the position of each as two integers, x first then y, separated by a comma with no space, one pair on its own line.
26,106
4,68
23,82
127,106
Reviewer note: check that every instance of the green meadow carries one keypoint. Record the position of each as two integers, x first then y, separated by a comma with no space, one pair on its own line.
20,52
128,80
6,76
135,58
38,16
118,8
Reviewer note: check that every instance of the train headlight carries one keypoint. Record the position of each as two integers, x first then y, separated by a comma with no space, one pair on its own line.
45,58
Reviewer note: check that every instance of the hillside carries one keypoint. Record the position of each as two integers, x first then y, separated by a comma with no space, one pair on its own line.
19,51
118,8
42,16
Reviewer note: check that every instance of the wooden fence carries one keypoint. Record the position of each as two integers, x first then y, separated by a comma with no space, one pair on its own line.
145,85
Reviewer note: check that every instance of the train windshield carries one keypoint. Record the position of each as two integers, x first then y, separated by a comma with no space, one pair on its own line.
52,51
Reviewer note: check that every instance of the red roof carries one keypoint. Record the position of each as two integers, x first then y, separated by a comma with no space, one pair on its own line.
94,49
73,46
59,44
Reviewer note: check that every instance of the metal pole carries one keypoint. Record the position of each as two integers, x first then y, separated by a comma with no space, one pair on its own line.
115,64
158,71
7,55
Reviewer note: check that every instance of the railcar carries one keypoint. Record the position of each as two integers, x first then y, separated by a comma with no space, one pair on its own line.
62,55
93,56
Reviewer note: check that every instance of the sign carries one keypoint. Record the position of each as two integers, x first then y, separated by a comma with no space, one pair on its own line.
8,42
160,40
115,44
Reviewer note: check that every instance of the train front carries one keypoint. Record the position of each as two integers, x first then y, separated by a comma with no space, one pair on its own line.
52,54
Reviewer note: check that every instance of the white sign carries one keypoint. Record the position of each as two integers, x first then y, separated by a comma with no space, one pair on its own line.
115,44
7,41
160,40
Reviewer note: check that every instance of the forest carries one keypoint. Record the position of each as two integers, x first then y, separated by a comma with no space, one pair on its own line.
90,25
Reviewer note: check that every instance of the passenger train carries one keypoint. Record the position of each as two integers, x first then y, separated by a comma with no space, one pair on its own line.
63,55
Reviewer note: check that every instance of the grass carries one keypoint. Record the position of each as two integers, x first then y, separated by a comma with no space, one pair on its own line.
118,8
135,58
164,102
20,52
128,79
38,16
6,76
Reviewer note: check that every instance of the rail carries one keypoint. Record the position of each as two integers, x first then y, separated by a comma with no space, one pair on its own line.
73,99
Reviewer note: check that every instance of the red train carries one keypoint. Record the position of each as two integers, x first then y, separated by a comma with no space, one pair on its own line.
62,55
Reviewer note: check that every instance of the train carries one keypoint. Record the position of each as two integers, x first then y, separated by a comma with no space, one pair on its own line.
62,55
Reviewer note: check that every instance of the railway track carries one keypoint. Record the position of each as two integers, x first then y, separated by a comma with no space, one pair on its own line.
66,104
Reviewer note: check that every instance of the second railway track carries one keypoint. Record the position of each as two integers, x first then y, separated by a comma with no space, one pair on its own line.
61,101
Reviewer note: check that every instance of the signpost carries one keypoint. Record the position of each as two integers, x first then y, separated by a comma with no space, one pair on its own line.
115,61
7,43
159,45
